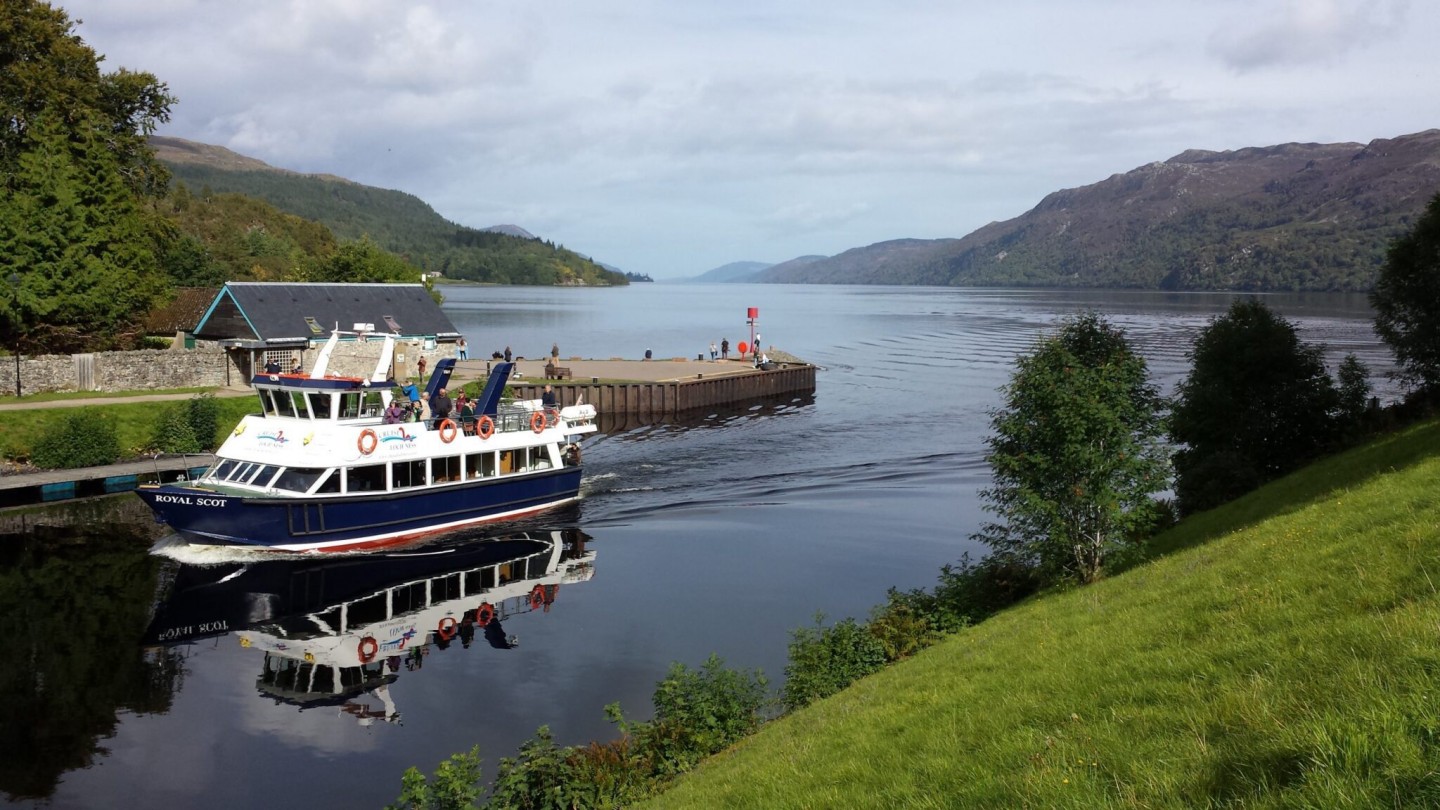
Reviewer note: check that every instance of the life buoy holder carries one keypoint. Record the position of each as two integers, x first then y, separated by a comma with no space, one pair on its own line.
537,597
368,649
485,428
537,422
447,431
446,628
484,614
367,442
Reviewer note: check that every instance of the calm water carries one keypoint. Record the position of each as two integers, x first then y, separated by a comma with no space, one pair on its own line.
718,535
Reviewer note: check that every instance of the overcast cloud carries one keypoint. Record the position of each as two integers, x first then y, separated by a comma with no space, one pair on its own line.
672,137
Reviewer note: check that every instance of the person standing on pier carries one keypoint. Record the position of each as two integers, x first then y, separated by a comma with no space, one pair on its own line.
713,352
725,349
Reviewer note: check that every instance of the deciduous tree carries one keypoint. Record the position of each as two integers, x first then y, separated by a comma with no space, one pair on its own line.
1407,300
1256,405
1076,454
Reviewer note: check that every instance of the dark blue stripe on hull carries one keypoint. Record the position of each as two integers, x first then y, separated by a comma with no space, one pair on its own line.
210,518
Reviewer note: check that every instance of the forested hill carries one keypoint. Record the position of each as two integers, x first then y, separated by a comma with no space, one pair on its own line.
394,220
1288,217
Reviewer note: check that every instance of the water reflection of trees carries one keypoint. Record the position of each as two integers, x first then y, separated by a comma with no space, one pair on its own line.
74,603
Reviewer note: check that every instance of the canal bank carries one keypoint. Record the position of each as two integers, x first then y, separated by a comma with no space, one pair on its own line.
627,394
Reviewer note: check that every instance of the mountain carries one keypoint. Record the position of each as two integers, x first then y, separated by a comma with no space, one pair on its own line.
781,272
398,222
734,271
1288,217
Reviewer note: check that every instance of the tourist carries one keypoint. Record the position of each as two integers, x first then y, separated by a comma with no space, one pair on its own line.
272,367
295,365
713,352
725,349
420,364
547,399
394,414
462,350
440,407
508,355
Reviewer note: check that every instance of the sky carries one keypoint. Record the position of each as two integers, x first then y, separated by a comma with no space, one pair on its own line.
669,138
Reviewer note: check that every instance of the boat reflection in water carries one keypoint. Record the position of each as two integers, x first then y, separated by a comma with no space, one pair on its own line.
338,631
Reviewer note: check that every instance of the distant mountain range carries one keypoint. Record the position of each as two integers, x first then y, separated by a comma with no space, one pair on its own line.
1288,217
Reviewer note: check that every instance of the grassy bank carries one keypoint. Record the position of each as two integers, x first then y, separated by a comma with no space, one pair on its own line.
1286,653
134,423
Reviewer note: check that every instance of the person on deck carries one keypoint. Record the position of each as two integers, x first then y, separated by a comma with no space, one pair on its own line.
547,399
394,414
440,408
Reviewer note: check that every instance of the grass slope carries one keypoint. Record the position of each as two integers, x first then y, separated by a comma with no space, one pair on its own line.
1286,653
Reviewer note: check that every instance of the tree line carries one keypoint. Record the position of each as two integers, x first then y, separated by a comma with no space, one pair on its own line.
94,235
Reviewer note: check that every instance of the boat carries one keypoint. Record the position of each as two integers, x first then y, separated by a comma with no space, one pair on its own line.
335,630
319,469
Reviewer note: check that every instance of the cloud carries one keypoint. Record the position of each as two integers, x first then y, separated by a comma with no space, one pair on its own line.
1307,32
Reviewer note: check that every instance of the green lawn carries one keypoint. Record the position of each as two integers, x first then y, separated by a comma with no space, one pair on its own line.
1286,653
134,422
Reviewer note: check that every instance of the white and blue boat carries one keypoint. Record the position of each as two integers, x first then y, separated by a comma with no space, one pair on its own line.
319,469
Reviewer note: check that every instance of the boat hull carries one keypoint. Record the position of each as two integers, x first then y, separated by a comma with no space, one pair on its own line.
353,522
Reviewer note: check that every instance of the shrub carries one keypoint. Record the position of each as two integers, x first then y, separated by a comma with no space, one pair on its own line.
203,414
456,785
82,439
173,432
824,660
701,711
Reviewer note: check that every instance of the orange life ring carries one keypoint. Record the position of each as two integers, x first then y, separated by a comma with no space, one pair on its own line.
367,649
485,428
446,628
537,421
368,441
447,431
552,417
484,613
537,597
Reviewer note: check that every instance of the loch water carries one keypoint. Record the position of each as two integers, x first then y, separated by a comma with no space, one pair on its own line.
137,676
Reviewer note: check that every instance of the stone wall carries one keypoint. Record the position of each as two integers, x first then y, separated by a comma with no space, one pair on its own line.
205,366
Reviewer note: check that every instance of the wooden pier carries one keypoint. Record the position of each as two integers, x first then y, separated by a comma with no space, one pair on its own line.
662,400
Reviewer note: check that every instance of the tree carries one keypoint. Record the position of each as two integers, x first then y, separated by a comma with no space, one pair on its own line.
1076,453
1256,405
1407,300
77,265
75,257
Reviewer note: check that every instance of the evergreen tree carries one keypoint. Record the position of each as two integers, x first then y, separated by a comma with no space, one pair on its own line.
1256,405
1076,453
76,269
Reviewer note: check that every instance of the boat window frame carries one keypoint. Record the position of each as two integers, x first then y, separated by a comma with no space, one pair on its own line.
318,398
380,477
317,474
255,479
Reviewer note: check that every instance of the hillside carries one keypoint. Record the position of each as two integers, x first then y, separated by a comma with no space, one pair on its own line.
732,272
1283,656
1288,217
396,221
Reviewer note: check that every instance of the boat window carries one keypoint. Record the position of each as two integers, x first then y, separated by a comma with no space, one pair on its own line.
241,472
330,484
370,478
283,406
408,474
409,597
361,404
350,405
263,476
508,460
221,470
266,406
445,469
480,465
300,479
297,403
319,405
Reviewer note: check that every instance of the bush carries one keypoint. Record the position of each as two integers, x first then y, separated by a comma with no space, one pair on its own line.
824,660
701,711
456,785
203,414
173,432
82,439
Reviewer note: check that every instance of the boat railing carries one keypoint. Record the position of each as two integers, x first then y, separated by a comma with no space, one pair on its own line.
190,466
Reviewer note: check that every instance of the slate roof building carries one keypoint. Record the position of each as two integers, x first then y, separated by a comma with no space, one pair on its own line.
259,321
